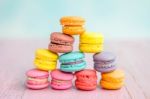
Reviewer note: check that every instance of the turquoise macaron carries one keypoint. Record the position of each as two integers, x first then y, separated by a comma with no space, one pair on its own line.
72,61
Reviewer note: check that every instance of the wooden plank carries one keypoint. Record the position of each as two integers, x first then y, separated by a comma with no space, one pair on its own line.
74,94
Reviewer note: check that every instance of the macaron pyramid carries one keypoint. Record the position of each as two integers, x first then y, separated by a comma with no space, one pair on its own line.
73,61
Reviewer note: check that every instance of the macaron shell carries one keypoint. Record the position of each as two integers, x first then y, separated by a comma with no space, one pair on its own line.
91,41
45,67
57,74
37,73
37,86
86,73
73,30
110,85
104,56
114,76
58,37
71,56
45,54
91,38
60,48
72,20
85,86
91,48
105,70
61,87
44,62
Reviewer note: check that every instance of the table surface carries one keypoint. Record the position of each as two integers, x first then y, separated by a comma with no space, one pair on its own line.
16,57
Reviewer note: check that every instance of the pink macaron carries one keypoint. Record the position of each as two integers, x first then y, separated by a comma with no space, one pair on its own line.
37,79
61,80
61,43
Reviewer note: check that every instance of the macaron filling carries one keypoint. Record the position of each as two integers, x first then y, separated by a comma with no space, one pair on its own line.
104,61
34,81
105,66
37,79
71,60
85,83
62,82
72,63
60,42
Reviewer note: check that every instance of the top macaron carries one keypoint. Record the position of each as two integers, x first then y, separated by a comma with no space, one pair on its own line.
72,25
72,20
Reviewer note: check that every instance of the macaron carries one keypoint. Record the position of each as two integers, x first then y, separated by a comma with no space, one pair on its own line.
60,43
91,42
72,20
86,79
37,79
72,61
45,59
104,62
112,80
61,80
72,25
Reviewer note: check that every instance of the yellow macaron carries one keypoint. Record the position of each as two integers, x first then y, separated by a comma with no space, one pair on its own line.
45,59
91,42
112,80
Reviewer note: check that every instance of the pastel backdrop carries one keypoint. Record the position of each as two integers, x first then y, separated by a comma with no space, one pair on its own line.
116,19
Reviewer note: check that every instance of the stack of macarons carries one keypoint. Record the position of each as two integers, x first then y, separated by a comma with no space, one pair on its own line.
72,63
112,78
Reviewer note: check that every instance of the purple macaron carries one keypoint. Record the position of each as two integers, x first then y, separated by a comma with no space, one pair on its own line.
104,62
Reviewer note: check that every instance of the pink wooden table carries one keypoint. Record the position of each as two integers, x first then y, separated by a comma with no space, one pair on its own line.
16,57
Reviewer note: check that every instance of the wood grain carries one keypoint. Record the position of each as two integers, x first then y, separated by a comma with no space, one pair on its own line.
17,57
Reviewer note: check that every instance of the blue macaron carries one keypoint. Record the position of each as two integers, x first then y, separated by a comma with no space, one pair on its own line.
72,61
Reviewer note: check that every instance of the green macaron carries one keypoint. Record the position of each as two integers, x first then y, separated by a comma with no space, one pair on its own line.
72,61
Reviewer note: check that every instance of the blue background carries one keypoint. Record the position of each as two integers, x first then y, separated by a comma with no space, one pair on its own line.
38,18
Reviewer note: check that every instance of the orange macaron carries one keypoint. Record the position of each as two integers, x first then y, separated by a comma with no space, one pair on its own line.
72,25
